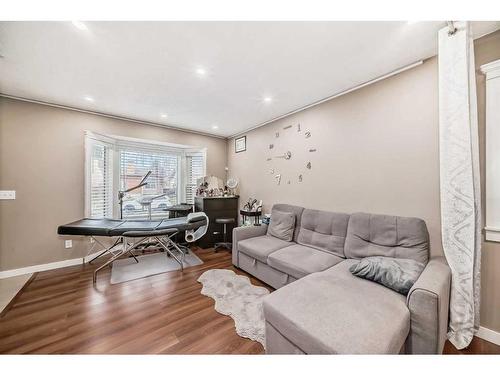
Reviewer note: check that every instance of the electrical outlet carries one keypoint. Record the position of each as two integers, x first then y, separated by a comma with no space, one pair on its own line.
7,194
68,244
92,239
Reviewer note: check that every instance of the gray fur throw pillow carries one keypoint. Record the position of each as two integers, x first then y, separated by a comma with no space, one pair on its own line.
394,273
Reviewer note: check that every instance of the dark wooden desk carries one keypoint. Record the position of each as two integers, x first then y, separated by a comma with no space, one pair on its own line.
217,207
179,210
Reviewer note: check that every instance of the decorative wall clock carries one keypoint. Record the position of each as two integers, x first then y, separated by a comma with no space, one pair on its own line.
278,155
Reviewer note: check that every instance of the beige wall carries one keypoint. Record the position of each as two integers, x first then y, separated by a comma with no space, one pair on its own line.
487,49
377,152
42,158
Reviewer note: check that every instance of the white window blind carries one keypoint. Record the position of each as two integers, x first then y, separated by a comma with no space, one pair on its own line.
115,163
101,179
134,164
195,169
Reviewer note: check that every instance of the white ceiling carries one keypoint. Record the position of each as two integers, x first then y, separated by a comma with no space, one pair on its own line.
141,70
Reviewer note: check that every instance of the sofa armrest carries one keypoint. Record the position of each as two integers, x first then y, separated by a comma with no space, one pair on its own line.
428,302
243,233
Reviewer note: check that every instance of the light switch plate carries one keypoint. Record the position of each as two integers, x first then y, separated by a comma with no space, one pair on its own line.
68,244
7,194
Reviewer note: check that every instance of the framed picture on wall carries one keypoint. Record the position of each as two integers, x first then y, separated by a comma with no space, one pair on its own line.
240,144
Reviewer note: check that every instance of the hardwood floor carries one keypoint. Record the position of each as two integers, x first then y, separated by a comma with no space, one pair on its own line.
477,346
61,312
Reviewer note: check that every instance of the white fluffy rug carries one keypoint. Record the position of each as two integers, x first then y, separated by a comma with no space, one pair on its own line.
235,296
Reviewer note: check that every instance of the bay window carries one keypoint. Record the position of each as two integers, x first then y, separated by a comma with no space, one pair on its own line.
117,163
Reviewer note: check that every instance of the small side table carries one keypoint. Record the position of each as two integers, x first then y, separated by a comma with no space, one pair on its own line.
249,214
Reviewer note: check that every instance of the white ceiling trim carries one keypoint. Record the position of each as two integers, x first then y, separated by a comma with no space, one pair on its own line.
331,97
108,115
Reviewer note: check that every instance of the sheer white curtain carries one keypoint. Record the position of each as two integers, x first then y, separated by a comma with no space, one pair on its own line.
460,189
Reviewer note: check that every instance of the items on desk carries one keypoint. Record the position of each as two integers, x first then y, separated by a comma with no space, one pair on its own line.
266,219
211,186
232,184
208,183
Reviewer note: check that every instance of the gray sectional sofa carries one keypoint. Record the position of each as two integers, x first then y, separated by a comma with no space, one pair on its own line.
319,307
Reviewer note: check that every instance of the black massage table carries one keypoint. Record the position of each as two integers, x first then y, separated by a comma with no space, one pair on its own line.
194,225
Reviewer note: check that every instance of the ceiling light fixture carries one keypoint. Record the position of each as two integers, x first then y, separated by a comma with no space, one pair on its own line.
79,25
163,115
89,99
267,99
201,72
215,127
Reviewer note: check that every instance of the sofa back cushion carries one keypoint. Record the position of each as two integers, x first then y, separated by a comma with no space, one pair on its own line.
323,230
296,210
390,236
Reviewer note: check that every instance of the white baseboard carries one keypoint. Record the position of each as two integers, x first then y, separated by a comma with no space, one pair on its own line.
488,335
45,267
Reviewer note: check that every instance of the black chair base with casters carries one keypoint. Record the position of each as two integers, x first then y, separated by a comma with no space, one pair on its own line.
224,244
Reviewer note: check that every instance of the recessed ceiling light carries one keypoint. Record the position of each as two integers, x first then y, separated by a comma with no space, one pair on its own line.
201,72
89,99
163,115
267,99
79,25
215,127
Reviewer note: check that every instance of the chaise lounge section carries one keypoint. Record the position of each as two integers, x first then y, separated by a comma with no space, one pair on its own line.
319,307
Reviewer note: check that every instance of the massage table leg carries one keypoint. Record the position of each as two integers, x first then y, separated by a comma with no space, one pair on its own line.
166,242
124,250
105,251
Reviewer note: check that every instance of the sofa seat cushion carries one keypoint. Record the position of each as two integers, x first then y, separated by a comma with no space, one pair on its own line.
260,247
335,312
299,261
